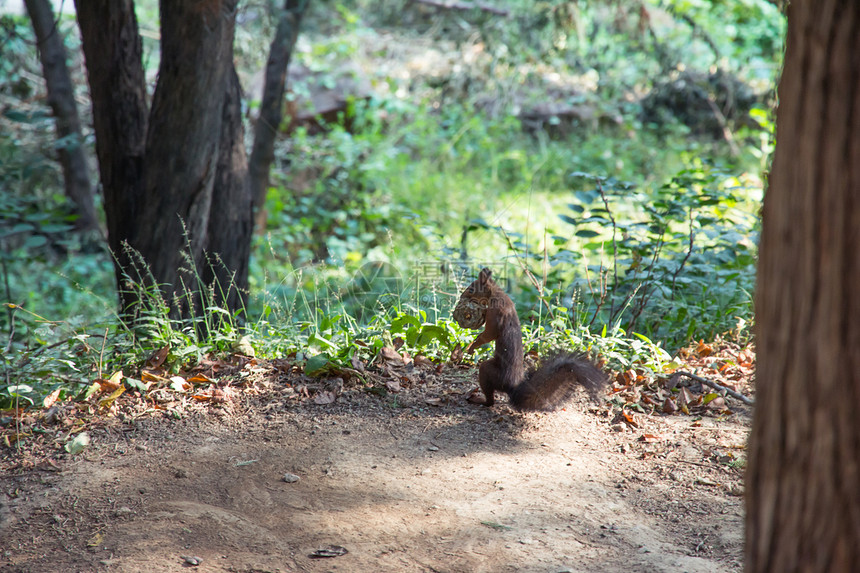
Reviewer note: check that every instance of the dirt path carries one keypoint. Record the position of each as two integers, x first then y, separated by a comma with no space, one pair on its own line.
400,484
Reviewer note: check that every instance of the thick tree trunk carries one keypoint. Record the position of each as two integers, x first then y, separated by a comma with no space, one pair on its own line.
113,51
272,104
803,507
61,98
159,170
230,232
182,144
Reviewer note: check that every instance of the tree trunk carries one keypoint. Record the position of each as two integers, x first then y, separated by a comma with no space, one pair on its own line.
231,220
182,144
164,173
113,51
61,98
272,104
803,508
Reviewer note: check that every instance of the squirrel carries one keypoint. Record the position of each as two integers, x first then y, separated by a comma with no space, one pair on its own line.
544,387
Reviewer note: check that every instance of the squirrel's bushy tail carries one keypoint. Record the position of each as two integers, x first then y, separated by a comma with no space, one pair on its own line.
554,381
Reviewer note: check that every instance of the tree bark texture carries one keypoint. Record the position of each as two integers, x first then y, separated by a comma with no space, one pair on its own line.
61,98
165,170
228,247
113,51
182,142
803,478
272,104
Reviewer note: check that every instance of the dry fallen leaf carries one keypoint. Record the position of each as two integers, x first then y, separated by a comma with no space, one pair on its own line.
95,540
476,396
51,398
356,362
685,397
179,384
392,385
391,355
158,357
324,397
106,385
200,378
108,401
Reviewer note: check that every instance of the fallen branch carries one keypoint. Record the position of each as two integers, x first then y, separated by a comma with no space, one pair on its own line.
715,386
451,5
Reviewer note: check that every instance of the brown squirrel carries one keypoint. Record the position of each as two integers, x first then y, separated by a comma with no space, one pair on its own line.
544,387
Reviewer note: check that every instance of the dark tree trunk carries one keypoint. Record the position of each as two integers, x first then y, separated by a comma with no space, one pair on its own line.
231,220
272,104
112,48
803,507
182,144
61,98
175,179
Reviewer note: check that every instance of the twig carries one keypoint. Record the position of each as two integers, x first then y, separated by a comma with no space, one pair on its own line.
686,257
614,246
715,386
102,351
601,299
649,290
724,126
451,5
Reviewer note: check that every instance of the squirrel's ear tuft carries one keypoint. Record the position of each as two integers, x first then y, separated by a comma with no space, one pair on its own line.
486,274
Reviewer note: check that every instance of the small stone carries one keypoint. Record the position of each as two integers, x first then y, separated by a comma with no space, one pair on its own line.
191,560
291,478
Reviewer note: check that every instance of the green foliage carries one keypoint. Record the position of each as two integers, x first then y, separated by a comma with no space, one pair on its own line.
47,356
675,264
436,339
332,207
16,41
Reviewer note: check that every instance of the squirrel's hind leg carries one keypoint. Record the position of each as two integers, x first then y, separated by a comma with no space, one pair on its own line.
488,375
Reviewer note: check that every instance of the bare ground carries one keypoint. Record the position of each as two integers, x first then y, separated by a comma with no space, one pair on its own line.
400,482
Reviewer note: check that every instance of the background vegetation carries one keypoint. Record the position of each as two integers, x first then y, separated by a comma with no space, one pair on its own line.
606,158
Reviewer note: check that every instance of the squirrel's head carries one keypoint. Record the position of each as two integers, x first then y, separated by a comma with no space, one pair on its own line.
471,309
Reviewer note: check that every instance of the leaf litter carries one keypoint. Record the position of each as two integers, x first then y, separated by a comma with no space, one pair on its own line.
662,439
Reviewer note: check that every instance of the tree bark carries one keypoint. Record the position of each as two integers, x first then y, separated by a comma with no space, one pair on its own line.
159,170
113,52
182,145
228,249
272,104
803,508
61,98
